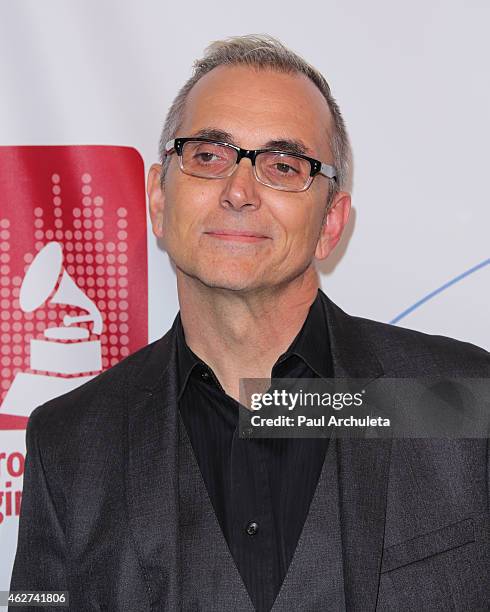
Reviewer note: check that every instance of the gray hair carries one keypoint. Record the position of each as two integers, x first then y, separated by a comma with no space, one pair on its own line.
261,51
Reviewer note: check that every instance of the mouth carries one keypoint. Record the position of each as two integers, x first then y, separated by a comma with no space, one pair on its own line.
236,235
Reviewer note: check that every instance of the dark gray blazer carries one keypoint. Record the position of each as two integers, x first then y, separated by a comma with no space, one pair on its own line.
100,513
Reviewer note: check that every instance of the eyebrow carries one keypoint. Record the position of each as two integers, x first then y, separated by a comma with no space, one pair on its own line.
290,145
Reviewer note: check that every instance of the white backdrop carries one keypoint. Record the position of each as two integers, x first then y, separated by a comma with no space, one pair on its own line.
412,82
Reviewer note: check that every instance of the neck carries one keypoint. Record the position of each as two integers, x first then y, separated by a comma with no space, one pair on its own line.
242,334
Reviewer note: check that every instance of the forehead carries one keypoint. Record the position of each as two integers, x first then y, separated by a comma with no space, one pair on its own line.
258,105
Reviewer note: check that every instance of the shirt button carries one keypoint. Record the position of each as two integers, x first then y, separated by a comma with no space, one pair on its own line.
252,528
205,376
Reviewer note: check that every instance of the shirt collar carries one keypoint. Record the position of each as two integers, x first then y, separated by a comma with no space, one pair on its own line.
311,344
186,359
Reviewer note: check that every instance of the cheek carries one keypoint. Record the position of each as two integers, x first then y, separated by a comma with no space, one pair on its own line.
184,210
301,222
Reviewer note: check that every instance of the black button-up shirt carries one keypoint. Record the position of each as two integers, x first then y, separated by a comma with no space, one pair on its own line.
260,489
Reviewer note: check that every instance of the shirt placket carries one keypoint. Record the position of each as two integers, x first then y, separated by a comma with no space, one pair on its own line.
253,530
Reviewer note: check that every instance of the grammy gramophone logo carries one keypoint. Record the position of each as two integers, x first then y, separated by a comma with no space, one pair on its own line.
73,269
65,348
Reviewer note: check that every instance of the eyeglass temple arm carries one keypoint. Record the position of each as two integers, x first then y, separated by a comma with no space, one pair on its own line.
328,171
170,146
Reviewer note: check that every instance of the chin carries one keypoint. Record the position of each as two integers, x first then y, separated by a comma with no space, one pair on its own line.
227,284
229,279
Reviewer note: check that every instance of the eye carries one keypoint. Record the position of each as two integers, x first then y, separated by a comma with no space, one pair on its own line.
206,157
207,154
283,168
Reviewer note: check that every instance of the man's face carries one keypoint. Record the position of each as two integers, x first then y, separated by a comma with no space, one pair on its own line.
193,215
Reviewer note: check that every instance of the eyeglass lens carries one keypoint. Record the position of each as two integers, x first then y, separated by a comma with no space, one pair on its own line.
212,160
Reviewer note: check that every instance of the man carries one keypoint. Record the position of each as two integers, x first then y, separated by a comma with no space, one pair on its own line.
139,493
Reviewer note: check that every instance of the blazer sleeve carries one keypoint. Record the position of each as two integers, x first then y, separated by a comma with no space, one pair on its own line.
40,561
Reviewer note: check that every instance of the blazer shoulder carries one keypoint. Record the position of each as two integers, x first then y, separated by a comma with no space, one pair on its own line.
101,397
409,352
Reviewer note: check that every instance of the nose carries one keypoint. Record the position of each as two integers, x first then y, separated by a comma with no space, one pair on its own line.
240,189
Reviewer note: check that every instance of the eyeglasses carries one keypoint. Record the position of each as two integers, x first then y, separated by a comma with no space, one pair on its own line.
277,169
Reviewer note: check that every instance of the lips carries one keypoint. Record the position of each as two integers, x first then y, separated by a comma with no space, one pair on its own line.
237,236
236,233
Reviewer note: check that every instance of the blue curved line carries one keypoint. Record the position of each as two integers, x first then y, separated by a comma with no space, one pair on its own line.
432,294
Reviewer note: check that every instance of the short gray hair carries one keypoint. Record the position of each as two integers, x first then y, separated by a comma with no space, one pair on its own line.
261,51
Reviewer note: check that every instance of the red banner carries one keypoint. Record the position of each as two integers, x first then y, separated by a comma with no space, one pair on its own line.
73,269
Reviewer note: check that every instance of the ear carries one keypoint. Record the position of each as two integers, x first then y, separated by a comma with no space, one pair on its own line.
333,224
156,199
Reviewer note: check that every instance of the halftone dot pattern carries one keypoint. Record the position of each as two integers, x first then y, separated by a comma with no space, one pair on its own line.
95,264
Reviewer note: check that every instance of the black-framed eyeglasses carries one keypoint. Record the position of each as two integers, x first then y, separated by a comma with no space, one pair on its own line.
281,170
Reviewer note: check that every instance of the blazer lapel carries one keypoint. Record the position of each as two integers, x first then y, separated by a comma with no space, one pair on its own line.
363,466
363,484
152,471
